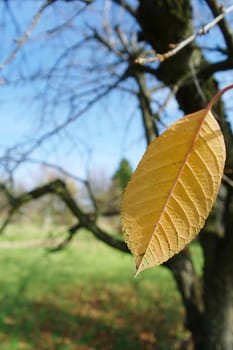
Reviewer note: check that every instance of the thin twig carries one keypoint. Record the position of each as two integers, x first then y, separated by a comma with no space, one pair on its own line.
227,180
21,41
204,30
223,25
85,220
163,106
131,10
68,121
56,167
71,232
197,83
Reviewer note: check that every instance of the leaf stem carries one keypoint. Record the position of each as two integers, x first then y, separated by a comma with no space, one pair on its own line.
217,97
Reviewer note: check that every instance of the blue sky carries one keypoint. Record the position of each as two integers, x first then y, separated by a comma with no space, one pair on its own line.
108,131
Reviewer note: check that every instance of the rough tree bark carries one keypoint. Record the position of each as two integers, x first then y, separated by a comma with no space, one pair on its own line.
209,310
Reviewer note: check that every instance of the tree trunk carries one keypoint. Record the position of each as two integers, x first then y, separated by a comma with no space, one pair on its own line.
218,321
189,286
218,278
164,22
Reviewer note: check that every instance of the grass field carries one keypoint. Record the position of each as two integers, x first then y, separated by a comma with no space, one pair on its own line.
84,298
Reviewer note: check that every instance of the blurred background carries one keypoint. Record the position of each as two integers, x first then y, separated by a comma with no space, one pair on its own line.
77,114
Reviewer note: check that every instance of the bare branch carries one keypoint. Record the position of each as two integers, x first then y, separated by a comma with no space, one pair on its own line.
87,221
21,41
162,57
171,94
124,54
208,69
68,121
127,7
107,43
59,168
216,10
227,181
7,221
189,284
71,232
144,98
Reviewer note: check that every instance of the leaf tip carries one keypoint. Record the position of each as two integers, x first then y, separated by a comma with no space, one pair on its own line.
137,273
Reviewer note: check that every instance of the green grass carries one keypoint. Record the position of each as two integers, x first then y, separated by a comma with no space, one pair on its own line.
84,298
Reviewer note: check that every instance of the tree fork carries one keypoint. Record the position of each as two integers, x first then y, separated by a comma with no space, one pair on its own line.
59,188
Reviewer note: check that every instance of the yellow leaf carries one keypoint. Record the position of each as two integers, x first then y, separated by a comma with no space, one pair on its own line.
173,189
